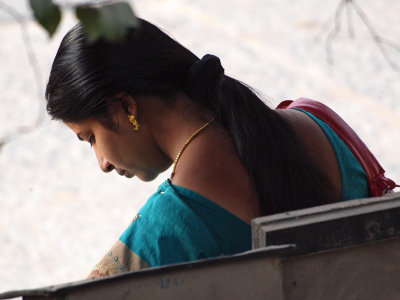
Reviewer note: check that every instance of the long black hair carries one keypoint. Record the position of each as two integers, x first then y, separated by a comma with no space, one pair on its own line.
85,76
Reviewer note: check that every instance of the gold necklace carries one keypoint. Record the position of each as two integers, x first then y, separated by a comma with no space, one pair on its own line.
196,133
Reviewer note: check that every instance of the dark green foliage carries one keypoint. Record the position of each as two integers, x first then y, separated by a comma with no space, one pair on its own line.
109,21
47,14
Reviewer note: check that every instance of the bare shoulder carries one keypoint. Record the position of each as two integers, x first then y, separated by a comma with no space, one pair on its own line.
211,167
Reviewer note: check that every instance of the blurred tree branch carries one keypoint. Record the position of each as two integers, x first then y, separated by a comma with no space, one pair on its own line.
109,20
349,6
102,19
36,72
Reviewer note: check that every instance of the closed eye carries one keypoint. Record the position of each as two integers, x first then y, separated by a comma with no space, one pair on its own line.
91,140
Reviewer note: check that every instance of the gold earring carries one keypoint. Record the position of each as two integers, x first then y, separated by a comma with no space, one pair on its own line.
134,122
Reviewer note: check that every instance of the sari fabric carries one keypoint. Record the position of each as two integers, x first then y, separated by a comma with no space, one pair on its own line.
175,225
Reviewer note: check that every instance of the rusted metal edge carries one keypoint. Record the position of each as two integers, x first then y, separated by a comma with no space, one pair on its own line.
331,226
59,291
366,204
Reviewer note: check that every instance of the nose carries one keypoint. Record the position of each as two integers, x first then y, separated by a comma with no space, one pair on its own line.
104,164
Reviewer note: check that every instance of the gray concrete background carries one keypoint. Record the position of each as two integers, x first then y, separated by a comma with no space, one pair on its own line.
59,214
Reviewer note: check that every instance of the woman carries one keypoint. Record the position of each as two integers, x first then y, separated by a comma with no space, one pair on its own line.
148,102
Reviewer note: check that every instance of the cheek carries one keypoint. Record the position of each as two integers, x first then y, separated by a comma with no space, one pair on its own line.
107,148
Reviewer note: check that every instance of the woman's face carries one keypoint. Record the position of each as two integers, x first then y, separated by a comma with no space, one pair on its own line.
128,152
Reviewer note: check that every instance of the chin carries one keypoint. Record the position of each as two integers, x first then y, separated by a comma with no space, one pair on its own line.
147,176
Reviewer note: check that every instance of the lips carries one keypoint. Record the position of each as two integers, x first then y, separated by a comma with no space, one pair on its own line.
121,172
125,173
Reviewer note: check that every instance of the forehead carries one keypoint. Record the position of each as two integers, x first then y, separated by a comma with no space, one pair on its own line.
82,126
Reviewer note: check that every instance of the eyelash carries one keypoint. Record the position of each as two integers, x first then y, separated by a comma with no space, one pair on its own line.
91,140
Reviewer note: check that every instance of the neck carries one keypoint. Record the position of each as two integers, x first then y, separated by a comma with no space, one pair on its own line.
188,141
180,119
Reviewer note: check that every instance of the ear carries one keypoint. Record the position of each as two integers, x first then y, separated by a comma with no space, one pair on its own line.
128,104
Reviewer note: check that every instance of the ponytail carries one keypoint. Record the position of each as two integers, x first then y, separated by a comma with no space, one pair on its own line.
284,176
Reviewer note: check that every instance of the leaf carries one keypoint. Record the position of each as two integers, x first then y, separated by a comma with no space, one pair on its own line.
89,17
116,19
47,14
109,21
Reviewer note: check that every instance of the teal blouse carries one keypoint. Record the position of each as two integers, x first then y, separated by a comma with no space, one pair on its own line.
177,225
354,178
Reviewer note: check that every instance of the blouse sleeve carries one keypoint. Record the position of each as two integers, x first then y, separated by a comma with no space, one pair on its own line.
118,260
